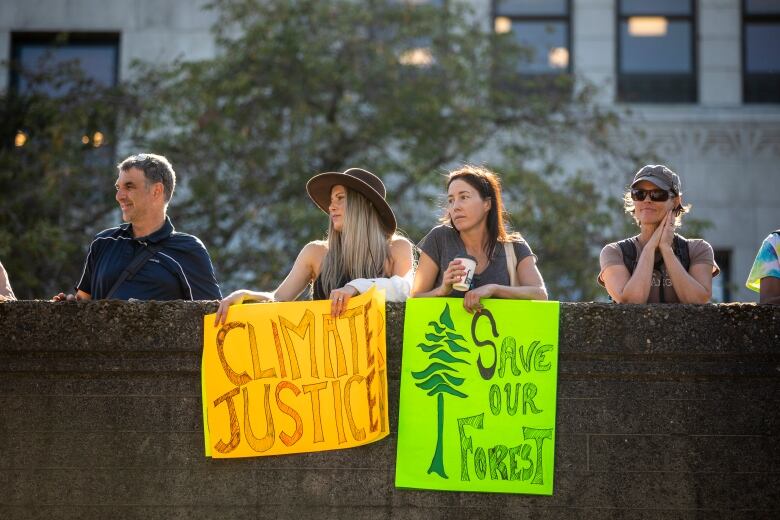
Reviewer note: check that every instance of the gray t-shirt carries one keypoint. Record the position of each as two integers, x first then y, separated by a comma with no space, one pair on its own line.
443,245
699,251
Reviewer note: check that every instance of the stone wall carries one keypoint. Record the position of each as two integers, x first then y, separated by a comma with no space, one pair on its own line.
663,412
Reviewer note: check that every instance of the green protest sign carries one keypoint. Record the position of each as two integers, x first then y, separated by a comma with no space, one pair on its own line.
478,394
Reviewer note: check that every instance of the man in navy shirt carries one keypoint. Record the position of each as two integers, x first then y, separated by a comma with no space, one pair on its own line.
173,265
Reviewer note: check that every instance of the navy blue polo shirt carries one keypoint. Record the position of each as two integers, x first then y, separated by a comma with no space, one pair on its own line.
181,270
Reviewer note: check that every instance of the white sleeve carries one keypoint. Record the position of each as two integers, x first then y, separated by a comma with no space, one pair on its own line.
397,288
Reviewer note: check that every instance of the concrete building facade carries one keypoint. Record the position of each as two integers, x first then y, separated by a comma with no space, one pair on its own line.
725,147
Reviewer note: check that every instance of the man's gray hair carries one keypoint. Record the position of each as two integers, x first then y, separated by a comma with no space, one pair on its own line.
156,168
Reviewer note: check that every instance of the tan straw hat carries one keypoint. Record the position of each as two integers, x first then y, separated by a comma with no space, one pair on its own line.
359,180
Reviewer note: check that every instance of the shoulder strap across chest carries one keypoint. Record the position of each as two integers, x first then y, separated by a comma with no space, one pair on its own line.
134,266
679,246
511,262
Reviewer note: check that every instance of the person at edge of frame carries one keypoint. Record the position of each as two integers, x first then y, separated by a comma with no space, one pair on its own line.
6,293
764,277
145,258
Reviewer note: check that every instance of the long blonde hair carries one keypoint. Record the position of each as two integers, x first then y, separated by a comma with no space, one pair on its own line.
360,250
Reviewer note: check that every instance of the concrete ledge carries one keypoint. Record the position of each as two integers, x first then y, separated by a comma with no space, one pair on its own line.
663,412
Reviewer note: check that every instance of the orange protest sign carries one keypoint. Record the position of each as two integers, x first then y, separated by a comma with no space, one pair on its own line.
289,378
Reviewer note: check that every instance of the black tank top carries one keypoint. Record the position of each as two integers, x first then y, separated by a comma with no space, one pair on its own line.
318,293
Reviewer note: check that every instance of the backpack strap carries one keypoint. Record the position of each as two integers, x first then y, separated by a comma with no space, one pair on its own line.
679,246
134,266
680,249
628,249
511,262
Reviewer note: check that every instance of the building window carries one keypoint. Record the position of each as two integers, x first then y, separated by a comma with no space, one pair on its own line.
48,64
540,26
721,284
421,56
761,51
656,53
96,54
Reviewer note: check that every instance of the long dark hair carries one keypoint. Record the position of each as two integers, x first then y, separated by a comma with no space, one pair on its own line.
488,185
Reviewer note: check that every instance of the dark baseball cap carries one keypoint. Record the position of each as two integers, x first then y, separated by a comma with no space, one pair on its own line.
659,175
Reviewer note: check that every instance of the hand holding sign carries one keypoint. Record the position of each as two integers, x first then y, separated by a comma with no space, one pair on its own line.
494,374
290,378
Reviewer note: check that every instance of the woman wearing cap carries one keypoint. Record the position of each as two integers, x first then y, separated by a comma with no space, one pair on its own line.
474,225
657,266
362,248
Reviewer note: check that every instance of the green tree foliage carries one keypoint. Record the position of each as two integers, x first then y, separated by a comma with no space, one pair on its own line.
439,378
566,218
304,86
298,87
56,176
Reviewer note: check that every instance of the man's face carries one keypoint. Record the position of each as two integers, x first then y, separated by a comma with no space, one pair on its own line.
135,198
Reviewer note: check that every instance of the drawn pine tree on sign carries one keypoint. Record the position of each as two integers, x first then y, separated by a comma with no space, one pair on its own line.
438,378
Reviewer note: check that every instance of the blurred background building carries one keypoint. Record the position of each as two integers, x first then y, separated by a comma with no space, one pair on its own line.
700,78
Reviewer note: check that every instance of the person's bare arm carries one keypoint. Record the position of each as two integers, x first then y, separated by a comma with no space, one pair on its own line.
426,273
692,286
531,287
769,290
625,287
6,293
304,270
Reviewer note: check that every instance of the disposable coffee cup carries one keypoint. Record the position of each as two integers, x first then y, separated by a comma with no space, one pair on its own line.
470,263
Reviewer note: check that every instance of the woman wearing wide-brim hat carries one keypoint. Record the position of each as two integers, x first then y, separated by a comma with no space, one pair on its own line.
362,247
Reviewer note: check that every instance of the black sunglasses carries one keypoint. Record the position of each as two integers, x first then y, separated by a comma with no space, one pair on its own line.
655,195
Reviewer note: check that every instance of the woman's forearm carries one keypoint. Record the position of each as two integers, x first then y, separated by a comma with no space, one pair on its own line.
257,296
436,292
687,288
520,292
637,288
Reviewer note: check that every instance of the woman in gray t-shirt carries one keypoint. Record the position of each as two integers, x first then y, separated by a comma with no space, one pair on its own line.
474,225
